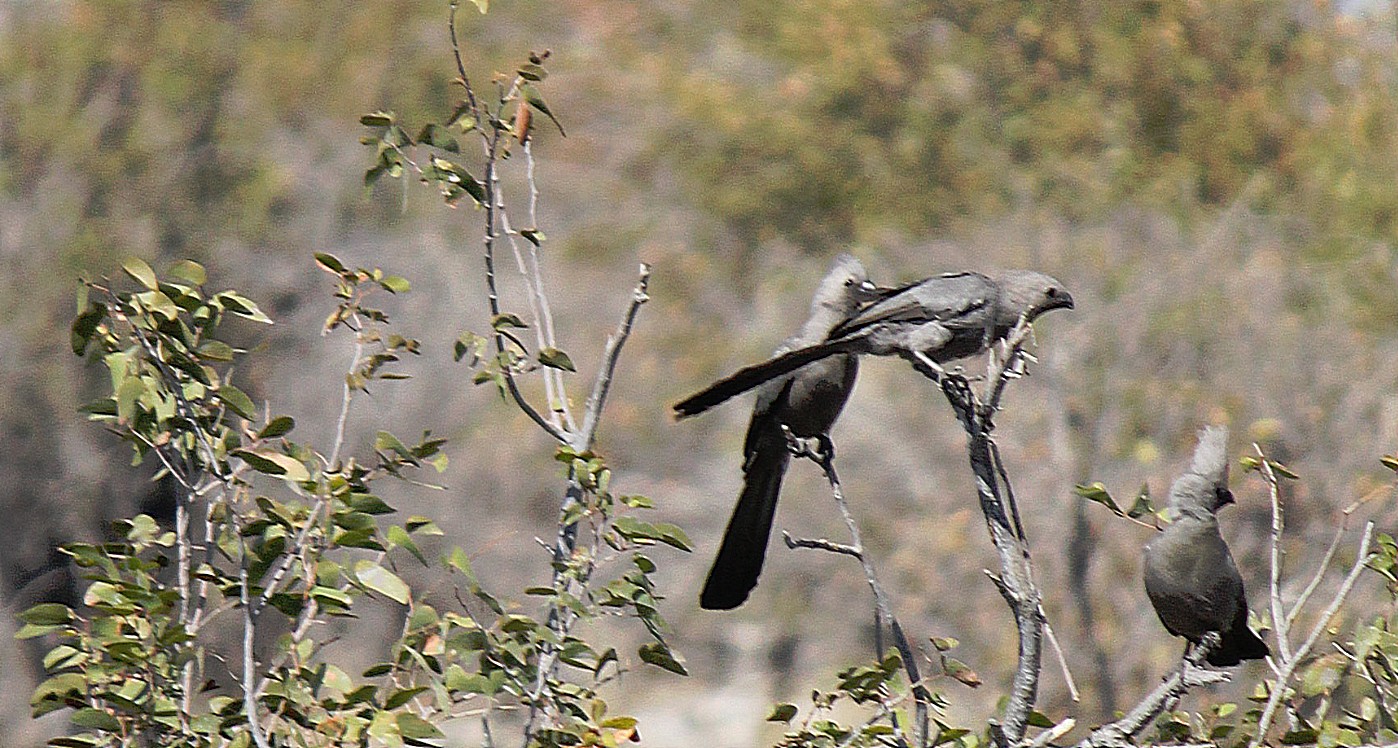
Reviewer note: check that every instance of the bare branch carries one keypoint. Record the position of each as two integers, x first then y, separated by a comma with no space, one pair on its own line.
249,665
598,399
1016,580
555,395
1062,662
821,544
1289,666
825,458
461,68
1190,674
1319,572
1279,620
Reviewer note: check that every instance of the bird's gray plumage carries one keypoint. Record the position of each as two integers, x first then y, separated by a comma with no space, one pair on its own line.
942,318
1190,576
806,400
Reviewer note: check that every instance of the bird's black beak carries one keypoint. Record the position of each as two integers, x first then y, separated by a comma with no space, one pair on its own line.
1060,300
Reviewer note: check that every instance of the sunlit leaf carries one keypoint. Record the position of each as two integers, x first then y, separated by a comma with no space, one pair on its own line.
141,272
382,581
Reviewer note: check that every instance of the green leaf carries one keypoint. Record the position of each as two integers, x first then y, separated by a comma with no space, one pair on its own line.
274,463
141,272
458,560
238,401
782,713
47,614
330,262
1098,493
556,359
84,326
536,101
386,442
1323,675
673,536
130,390
215,350
620,723
455,174
944,643
279,426
242,306
437,136
74,741
382,581
535,236
189,270
962,672
377,119
1039,719
96,719
1142,505
158,303
395,284
31,631
661,656
403,696
1283,470
531,72
414,727
397,536
369,504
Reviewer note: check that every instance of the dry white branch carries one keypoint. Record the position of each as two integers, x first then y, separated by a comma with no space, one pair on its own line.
1288,667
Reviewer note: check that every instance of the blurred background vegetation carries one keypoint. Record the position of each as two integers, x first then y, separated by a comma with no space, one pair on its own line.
1214,181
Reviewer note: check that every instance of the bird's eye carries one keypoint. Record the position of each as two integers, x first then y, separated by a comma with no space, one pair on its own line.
849,282
1052,292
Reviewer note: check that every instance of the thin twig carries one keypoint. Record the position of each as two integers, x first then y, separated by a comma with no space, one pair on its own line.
346,397
554,393
1279,621
1062,661
821,544
249,665
598,399
1190,674
1289,667
1016,581
825,458
1319,572
460,67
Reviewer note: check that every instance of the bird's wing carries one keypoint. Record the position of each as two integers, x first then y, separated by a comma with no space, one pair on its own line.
941,298
771,400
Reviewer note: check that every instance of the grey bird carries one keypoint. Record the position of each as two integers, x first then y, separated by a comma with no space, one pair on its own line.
1190,576
804,401
929,322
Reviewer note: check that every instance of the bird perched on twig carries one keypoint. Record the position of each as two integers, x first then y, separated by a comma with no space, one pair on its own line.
929,322
1190,576
804,402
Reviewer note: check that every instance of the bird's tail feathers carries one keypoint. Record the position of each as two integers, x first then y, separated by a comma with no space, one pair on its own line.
1242,643
739,561
749,377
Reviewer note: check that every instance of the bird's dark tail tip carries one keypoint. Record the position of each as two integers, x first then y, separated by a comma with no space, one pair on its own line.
1238,646
722,596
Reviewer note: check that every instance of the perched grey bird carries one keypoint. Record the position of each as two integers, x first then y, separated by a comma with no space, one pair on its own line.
806,401
929,322
1190,575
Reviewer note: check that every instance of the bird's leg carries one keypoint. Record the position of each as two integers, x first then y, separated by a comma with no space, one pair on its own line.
963,400
802,447
929,368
